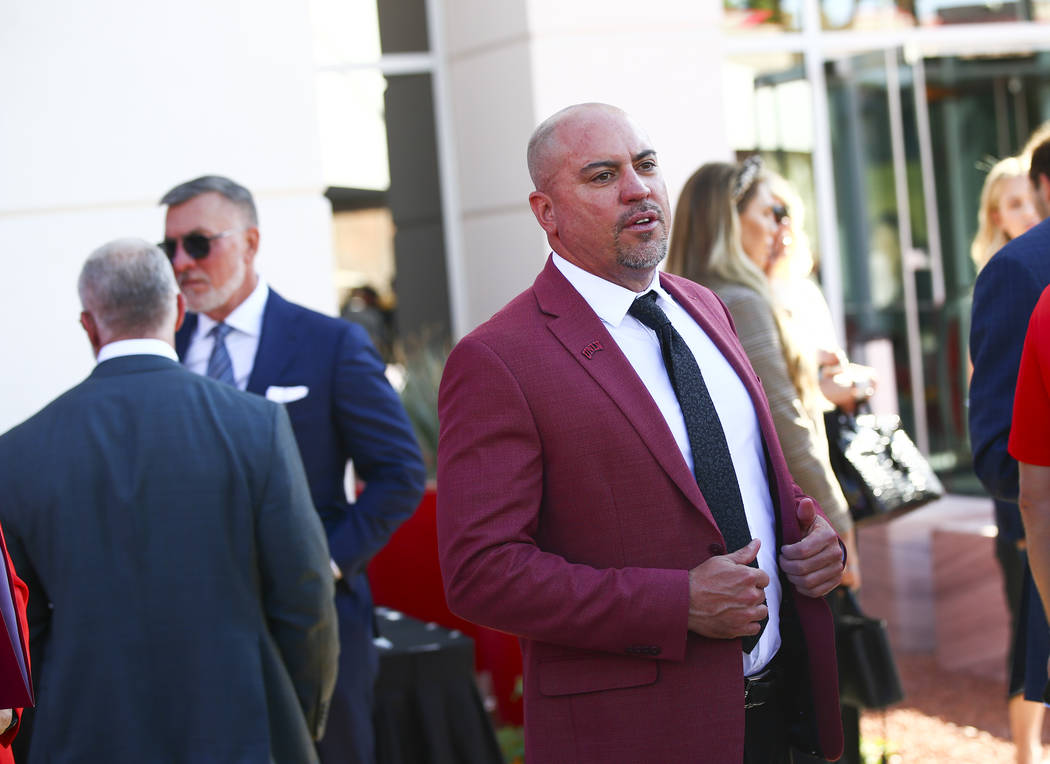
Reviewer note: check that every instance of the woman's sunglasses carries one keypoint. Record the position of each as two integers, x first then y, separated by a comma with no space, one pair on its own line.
196,245
779,213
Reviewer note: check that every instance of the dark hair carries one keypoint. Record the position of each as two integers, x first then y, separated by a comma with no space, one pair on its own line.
235,192
1040,163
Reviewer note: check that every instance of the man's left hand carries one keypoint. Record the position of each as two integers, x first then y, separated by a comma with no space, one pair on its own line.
814,564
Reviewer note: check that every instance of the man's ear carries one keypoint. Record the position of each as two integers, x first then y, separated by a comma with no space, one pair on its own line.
543,209
251,235
180,310
91,328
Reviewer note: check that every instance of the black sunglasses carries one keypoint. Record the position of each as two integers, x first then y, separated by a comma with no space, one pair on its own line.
196,245
779,213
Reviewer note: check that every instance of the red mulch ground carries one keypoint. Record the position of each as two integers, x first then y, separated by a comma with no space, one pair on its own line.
944,717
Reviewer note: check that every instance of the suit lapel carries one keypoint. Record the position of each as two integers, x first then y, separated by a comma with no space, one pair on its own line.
731,351
588,342
276,344
734,353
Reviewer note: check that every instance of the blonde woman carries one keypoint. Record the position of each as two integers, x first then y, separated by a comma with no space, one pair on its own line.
843,383
1007,209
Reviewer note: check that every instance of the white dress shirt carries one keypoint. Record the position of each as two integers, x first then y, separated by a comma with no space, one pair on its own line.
143,346
241,343
732,402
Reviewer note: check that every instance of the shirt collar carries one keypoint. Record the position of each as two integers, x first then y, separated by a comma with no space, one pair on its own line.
141,346
246,317
610,301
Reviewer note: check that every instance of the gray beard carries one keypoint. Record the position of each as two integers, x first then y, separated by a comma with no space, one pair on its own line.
216,297
648,254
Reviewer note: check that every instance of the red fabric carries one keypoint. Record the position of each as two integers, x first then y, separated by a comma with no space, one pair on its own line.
406,576
567,515
21,597
1030,429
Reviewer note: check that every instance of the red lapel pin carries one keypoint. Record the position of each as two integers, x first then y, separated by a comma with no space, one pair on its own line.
590,350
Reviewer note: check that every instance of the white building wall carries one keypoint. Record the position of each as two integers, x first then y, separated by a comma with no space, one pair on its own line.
106,105
103,107
661,61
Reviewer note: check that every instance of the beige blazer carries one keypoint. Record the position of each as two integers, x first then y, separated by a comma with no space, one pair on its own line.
800,429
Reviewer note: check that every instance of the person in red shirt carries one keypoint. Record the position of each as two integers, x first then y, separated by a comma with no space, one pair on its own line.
1029,442
10,717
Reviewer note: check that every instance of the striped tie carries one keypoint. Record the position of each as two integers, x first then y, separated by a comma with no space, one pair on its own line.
219,365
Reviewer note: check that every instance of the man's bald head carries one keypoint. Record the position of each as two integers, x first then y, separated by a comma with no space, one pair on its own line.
600,196
544,143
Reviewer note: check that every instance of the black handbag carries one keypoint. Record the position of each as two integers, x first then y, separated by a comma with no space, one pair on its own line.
881,471
868,675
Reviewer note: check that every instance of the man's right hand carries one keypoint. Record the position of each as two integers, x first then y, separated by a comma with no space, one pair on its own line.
727,596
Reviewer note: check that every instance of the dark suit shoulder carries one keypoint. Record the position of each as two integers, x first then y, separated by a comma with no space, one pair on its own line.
297,337
1028,250
130,386
315,321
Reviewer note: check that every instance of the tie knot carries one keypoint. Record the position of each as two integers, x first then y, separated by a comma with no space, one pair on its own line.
646,310
219,332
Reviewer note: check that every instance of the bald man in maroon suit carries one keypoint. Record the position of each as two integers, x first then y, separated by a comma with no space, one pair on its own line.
569,510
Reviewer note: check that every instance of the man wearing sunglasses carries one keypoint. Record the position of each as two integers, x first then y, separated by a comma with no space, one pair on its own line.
331,379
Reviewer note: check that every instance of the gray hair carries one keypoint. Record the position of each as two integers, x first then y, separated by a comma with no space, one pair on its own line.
129,287
218,184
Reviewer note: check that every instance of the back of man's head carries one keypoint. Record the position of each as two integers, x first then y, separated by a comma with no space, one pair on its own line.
218,184
129,289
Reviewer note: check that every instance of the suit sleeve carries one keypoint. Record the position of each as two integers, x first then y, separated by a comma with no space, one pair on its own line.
801,435
378,437
490,501
297,586
1004,297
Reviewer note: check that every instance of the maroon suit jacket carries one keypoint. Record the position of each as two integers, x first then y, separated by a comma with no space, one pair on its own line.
567,516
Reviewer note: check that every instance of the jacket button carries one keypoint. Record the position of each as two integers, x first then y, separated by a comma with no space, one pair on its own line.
716,549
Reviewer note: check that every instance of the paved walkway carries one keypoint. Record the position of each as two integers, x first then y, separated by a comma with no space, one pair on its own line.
932,575
944,717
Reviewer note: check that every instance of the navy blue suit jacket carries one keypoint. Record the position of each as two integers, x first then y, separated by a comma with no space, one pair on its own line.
349,413
179,579
1004,297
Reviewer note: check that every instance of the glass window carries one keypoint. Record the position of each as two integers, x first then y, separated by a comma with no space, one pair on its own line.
867,15
769,110
762,16
353,128
379,160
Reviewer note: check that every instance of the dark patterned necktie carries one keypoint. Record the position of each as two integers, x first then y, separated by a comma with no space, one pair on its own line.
712,463
220,366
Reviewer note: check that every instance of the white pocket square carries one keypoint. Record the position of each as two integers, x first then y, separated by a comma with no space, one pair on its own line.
286,394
